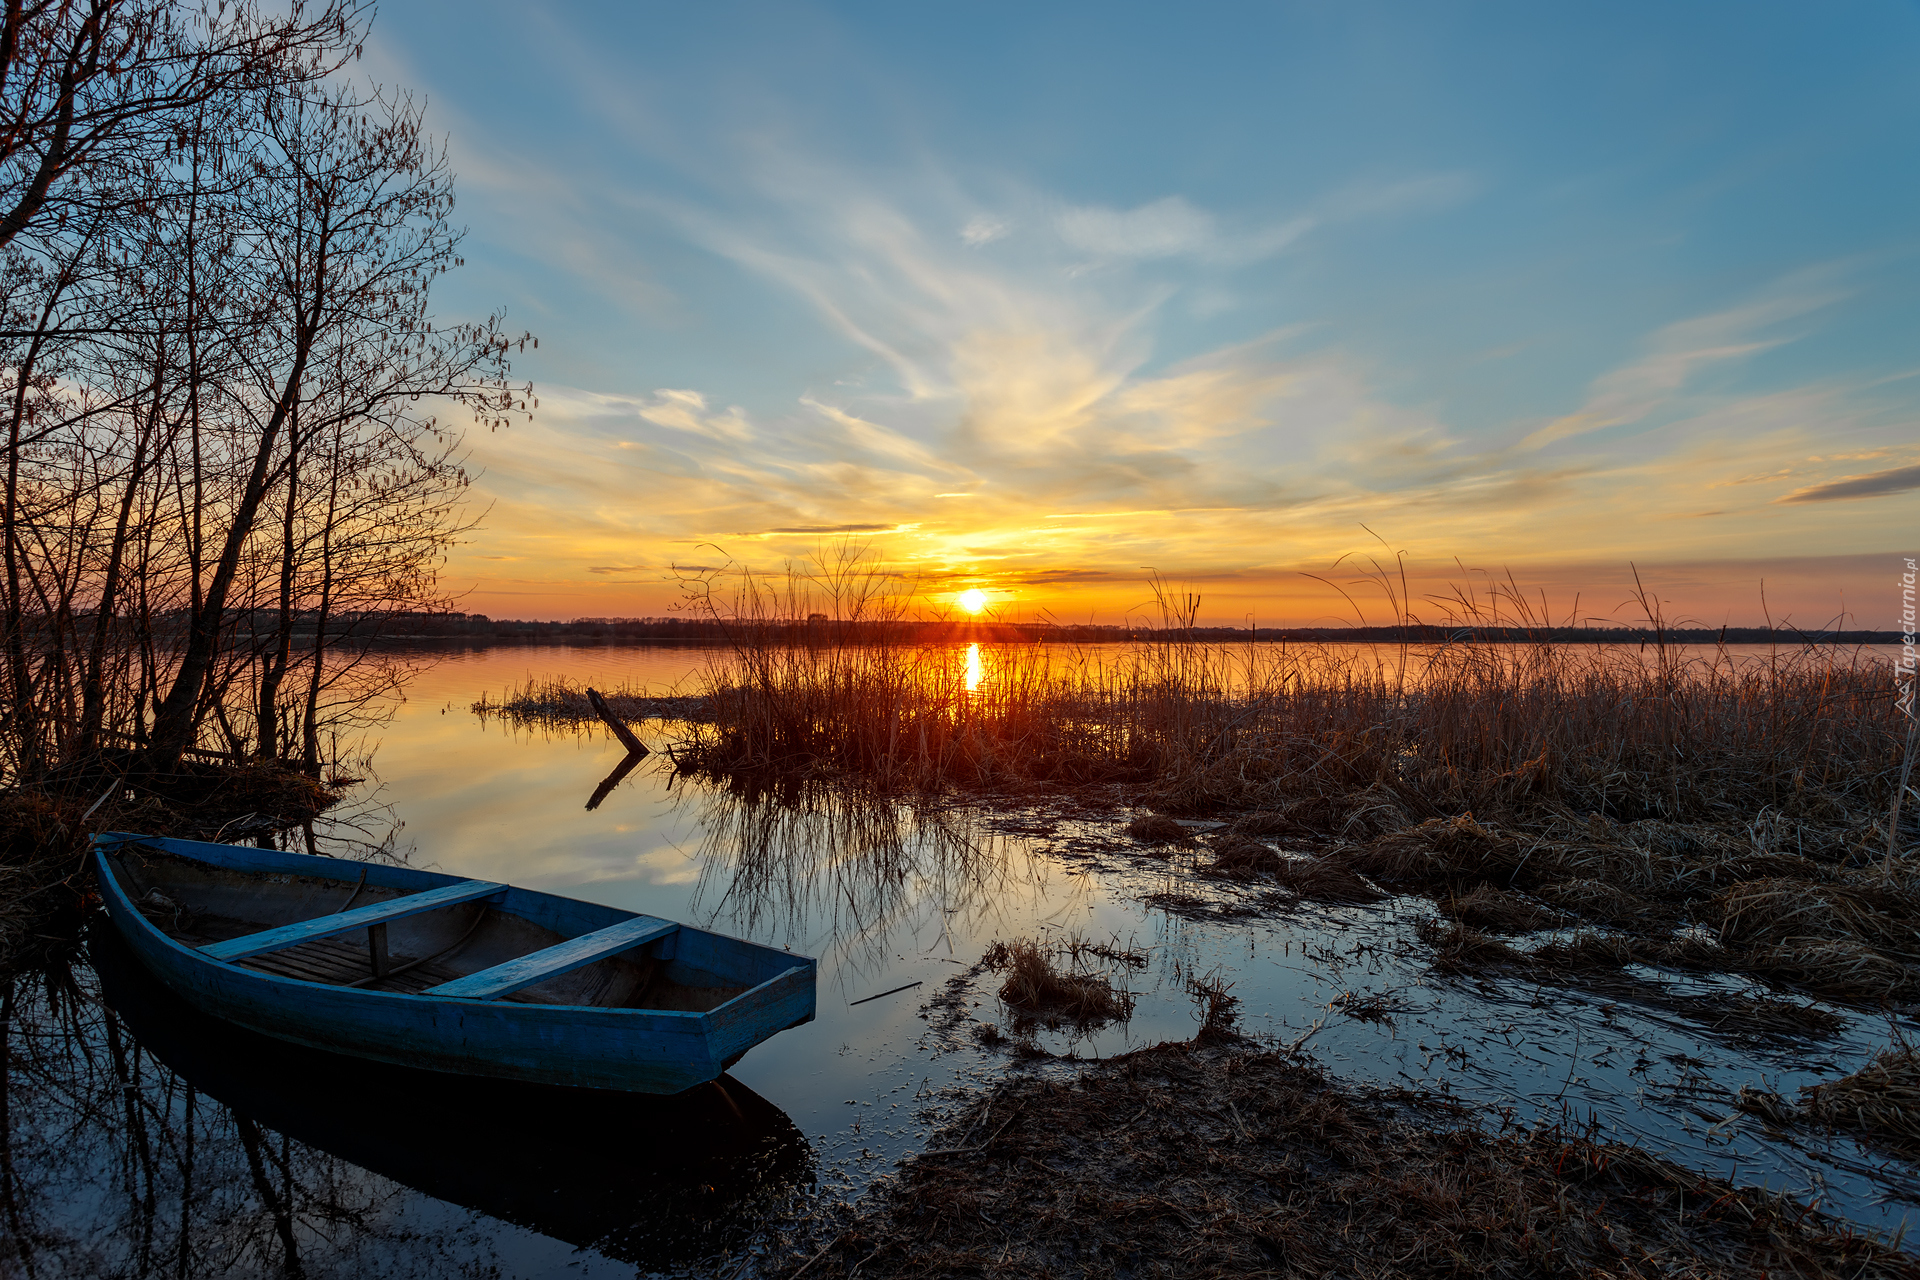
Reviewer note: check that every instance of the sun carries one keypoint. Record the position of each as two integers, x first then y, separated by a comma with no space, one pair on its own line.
973,601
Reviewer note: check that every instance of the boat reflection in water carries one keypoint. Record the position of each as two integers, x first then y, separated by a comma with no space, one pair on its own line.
642,1178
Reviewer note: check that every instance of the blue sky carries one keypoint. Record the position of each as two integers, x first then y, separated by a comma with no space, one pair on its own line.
1033,296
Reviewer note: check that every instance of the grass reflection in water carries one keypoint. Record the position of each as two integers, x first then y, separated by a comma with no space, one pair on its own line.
145,1139
848,872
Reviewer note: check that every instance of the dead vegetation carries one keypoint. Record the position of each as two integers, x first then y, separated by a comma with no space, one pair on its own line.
44,881
1215,1006
1880,1102
1343,742
1157,828
1844,925
1039,990
1242,859
1498,911
1646,788
1184,1160
1459,948
562,704
1315,879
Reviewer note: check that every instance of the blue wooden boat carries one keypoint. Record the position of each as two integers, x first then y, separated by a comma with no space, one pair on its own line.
651,1180
445,973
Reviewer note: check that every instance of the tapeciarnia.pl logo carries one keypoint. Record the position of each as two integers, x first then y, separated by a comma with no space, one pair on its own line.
1904,668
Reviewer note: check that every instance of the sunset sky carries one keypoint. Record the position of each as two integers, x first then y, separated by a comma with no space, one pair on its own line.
1035,297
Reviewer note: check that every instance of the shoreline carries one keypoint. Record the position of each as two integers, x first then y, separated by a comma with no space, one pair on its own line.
1216,1157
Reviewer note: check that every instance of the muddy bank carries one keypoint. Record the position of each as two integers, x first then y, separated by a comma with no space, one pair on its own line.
44,883
1209,1159
1798,908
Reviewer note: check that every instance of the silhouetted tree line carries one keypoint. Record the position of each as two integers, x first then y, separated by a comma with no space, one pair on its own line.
478,627
223,475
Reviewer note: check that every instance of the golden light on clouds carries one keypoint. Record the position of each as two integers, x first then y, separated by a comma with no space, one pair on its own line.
1025,447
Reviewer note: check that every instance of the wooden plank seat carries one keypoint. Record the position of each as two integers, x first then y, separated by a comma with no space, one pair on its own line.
367,917
338,964
551,962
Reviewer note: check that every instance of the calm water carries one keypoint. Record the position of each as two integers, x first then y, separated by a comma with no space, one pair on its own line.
146,1142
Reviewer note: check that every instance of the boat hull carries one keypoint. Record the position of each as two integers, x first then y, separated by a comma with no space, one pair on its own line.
654,1181
637,1050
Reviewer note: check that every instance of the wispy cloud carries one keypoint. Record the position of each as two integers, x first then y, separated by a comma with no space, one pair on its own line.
1875,484
1009,408
984,230
1678,352
1163,229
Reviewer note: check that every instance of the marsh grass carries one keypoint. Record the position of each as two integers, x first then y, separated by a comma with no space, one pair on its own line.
557,703
1216,1008
1058,983
1881,1101
1640,787
1192,1160
1499,911
1632,733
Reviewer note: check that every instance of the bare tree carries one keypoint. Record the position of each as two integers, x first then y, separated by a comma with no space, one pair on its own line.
219,365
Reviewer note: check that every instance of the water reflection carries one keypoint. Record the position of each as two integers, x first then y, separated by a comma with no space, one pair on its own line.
620,771
144,1138
834,869
975,672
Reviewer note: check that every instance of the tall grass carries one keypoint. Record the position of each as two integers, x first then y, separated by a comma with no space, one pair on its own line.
1629,732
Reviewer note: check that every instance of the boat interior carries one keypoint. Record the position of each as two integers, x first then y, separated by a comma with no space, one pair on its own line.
452,941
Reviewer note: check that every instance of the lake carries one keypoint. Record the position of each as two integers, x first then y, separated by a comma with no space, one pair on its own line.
128,1166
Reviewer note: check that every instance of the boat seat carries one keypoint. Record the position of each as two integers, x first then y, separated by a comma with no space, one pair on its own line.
367,917
551,962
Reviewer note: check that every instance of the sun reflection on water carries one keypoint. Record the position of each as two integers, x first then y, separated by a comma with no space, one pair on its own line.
975,674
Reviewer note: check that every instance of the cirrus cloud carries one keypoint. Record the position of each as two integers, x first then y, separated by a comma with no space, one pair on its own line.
1875,484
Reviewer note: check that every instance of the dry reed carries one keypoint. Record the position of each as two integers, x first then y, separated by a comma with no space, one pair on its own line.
1035,989
1460,948
1601,902
1215,1006
1503,731
1881,1101
560,703
1157,828
1498,911
1637,786
1321,881
1185,1160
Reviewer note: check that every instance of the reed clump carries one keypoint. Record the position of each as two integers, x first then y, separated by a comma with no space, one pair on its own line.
1881,1101
1037,988
1494,910
1242,859
1157,828
559,703
1460,947
1320,880
1602,902
1645,787
1797,750
1216,1008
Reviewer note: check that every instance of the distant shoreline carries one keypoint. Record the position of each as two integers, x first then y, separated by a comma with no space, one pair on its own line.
480,631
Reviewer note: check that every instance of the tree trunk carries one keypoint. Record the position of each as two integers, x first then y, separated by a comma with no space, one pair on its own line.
174,724
274,670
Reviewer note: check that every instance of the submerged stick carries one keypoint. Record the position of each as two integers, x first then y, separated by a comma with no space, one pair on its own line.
614,779
620,730
895,991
